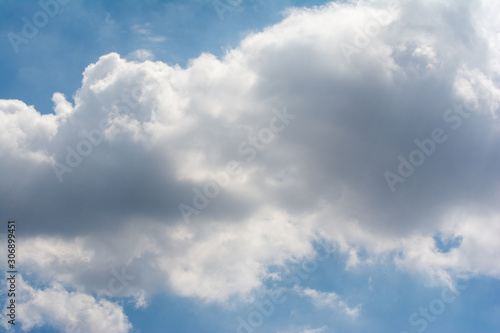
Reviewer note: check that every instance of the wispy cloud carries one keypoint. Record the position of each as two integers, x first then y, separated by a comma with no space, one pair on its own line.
328,300
141,55
146,32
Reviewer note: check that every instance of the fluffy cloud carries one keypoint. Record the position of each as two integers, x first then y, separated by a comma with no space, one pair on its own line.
67,311
106,172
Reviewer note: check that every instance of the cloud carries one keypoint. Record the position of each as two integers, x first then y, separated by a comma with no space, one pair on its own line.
328,300
310,330
141,55
67,311
315,330
213,262
107,171
468,259
145,31
142,29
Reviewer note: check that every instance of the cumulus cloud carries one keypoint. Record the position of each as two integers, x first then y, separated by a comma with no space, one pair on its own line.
107,171
67,311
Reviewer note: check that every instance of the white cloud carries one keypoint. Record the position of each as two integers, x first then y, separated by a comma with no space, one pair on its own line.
145,31
308,329
471,258
213,262
141,55
142,29
156,39
328,300
315,330
156,132
71,312
24,132
233,259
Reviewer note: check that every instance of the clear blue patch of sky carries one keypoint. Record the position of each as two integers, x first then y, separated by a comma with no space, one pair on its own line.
445,245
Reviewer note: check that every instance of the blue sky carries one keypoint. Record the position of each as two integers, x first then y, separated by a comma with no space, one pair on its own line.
352,212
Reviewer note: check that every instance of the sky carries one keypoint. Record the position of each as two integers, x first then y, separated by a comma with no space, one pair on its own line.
251,166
